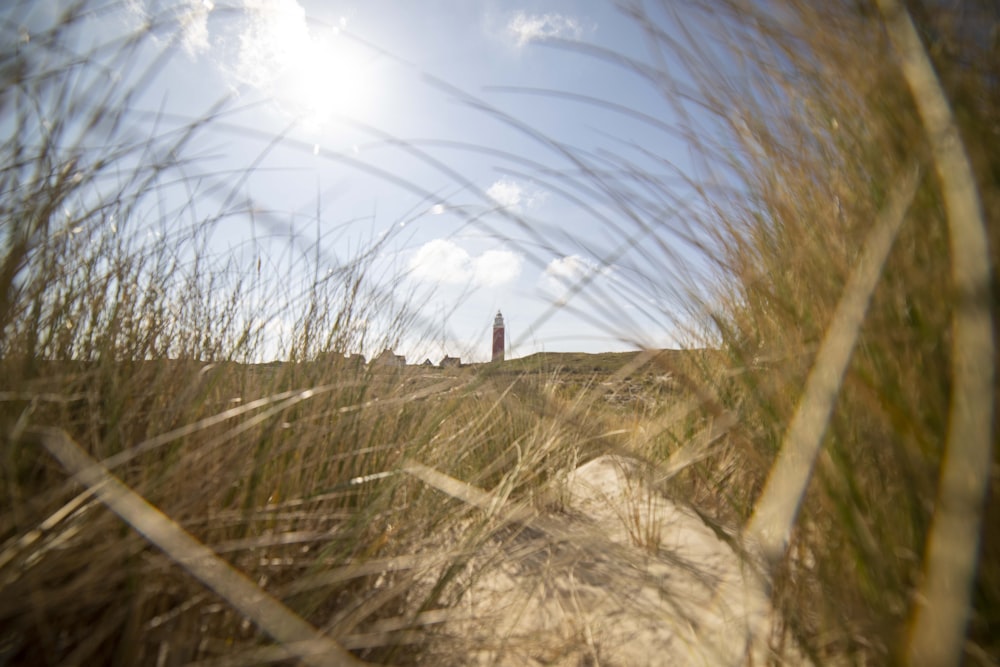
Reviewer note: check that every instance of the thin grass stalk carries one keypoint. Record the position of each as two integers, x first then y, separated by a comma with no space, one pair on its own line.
288,628
775,511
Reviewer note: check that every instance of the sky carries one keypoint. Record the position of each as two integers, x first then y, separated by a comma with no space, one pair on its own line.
499,154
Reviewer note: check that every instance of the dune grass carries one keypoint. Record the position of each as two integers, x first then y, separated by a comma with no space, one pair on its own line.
829,134
157,475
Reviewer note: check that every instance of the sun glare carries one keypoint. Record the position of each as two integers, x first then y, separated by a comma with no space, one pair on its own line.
313,72
328,79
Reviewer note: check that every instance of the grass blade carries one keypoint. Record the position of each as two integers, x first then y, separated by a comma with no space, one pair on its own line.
942,608
274,618
776,509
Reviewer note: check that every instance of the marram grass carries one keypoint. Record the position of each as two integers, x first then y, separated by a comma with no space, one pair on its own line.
169,499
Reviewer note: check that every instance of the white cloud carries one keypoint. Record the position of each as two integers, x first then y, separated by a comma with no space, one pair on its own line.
564,273
272,40
191,18
445,262
194,27
258,44
506,193
567,270
496,267
525,28
441,261
511,195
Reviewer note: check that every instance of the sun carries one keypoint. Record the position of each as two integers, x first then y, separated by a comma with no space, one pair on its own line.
313,71
327,77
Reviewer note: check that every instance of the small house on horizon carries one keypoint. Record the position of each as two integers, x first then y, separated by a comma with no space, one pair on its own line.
389,359
450,362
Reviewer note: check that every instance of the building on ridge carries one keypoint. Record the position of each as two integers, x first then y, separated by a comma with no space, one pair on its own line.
389,358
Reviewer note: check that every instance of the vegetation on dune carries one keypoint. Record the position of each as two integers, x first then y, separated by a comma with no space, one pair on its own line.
834,145
132,354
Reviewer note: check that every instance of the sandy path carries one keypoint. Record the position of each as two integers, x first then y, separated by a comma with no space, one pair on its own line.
577,589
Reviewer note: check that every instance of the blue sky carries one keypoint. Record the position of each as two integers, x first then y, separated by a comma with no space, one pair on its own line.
459,130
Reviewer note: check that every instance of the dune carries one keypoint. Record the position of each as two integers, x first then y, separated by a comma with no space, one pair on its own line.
620,575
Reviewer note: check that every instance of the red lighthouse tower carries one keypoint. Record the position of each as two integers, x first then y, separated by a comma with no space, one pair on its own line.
498,337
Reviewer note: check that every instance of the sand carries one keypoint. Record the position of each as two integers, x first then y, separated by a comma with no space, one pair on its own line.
617,576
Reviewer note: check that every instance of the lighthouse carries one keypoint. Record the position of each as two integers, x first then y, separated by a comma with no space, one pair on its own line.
498,337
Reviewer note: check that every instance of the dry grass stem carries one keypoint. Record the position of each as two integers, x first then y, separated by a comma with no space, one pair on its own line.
941,610
297,637
778,505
